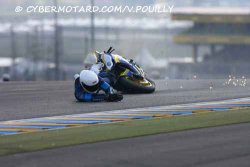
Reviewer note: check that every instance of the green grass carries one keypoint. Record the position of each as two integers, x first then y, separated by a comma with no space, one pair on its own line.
90,134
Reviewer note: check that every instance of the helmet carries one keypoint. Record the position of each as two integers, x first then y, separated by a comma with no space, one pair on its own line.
89,81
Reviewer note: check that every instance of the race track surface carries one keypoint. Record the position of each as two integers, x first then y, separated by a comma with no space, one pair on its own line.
19,100
221,146
226,146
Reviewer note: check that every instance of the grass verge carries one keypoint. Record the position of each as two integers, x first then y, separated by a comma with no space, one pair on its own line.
89,134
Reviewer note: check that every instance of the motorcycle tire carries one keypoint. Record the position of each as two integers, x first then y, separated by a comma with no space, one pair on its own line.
127,85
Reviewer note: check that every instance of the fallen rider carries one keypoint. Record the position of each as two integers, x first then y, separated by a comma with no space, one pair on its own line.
88,86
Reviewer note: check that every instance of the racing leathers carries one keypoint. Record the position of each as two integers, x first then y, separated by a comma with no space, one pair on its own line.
84,96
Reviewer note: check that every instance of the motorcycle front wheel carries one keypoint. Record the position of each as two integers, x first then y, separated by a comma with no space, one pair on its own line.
133,86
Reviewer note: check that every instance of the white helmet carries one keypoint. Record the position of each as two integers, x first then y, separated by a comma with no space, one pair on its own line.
89,80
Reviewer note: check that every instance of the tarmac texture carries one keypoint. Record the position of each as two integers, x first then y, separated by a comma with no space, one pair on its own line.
220,146
22,100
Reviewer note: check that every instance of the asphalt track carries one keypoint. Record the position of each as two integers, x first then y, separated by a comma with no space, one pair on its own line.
226,146
28,100
221,146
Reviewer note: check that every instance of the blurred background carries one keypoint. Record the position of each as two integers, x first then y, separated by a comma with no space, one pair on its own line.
201,38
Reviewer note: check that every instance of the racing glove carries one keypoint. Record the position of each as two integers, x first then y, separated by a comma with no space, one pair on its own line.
114,97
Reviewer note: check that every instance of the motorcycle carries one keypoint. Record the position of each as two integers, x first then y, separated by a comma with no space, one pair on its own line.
136,83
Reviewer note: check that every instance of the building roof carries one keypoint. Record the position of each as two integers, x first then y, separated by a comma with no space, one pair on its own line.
212,14
212,39
212,11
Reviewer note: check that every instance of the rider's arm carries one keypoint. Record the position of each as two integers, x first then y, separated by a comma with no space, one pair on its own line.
111,95
105,87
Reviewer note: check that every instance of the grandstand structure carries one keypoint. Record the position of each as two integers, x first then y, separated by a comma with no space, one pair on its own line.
226,31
